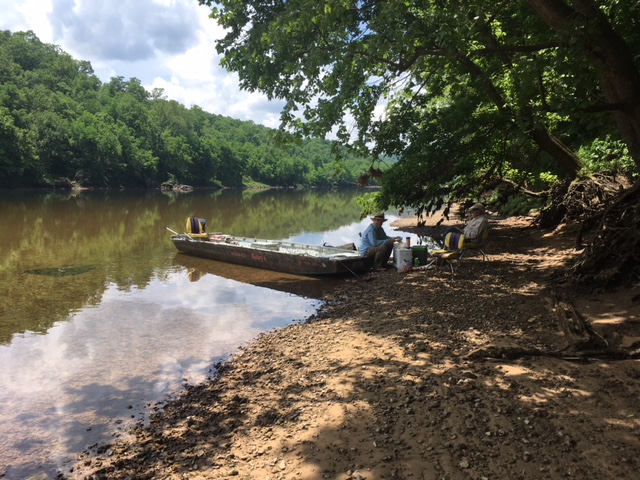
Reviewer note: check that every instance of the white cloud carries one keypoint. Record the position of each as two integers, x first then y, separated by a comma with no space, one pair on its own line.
168,44
26,15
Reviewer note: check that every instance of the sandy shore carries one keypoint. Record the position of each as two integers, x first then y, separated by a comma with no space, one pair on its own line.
410,376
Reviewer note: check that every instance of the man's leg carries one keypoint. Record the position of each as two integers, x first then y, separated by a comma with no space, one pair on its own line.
381,255
439,237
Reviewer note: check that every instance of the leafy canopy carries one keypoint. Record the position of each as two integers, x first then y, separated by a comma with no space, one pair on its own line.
468,95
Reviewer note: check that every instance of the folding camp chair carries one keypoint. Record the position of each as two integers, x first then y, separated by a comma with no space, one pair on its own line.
478,246
453,243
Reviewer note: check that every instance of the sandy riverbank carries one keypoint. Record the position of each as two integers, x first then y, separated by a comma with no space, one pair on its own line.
394,378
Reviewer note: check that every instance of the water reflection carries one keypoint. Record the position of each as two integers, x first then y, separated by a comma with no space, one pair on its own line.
65,390
311,287
85,351
123,235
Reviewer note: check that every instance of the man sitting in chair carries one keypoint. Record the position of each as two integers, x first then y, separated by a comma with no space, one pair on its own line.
376,243
477,225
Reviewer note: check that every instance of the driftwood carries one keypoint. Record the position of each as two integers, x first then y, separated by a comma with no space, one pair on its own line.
577,329
505,353
72,184
494,352
171,187
584,343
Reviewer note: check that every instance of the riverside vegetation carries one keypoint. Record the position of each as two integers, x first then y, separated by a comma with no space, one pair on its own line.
62,127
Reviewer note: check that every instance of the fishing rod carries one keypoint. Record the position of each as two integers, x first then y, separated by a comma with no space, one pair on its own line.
183,235
366,276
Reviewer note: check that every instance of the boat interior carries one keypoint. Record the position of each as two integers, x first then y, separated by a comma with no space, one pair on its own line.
288,248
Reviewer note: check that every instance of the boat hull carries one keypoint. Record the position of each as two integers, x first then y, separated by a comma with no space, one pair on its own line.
274,255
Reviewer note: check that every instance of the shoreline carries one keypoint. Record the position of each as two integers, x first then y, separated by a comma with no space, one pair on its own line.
396,377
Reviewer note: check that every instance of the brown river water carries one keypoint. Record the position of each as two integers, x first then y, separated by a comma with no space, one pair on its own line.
102,322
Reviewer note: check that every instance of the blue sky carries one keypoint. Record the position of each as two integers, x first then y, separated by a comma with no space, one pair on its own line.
168,44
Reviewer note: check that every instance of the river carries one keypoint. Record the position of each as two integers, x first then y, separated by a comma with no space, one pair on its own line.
102,322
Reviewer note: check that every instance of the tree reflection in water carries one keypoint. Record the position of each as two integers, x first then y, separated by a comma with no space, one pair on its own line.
100,317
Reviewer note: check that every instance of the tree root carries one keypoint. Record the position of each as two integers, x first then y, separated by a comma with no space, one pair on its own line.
608,212
493,352
612,256
585,344
577,329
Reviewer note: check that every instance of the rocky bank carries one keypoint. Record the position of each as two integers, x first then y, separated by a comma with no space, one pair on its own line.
417,375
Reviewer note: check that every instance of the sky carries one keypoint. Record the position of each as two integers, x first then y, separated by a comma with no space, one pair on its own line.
168,44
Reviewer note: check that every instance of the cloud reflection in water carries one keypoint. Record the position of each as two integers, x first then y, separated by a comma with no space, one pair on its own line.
68,388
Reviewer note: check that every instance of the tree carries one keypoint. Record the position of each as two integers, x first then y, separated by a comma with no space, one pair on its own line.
57,119
468,95
335,59
17,150
587,24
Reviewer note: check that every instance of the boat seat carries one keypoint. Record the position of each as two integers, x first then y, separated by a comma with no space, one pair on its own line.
196,228
266,246
344,255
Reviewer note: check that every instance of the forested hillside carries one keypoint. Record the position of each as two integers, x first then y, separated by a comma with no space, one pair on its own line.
59,123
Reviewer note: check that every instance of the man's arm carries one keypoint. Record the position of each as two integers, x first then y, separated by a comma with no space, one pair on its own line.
373,239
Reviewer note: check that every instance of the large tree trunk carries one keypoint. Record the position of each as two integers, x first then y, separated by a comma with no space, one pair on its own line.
547,142
617,73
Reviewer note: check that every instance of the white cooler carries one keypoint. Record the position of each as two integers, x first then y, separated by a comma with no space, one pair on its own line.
400,255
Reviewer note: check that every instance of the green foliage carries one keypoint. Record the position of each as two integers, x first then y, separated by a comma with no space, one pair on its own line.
251,183
474,93
549,178
370,202
607,157
520,205
58,119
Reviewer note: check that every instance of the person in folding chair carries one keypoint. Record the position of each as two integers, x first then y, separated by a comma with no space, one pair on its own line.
376,243
456,240
477,226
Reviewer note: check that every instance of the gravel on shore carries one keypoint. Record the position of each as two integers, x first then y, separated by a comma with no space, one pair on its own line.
417,375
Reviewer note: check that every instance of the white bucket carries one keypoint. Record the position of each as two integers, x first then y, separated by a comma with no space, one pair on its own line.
400,255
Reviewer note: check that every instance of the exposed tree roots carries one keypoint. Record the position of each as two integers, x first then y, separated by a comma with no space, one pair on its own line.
608,212
583,342
515,353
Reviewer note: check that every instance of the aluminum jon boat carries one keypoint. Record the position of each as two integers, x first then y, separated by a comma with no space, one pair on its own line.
287,257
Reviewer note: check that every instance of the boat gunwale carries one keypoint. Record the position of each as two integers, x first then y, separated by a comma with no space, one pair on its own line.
328,260
261,244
